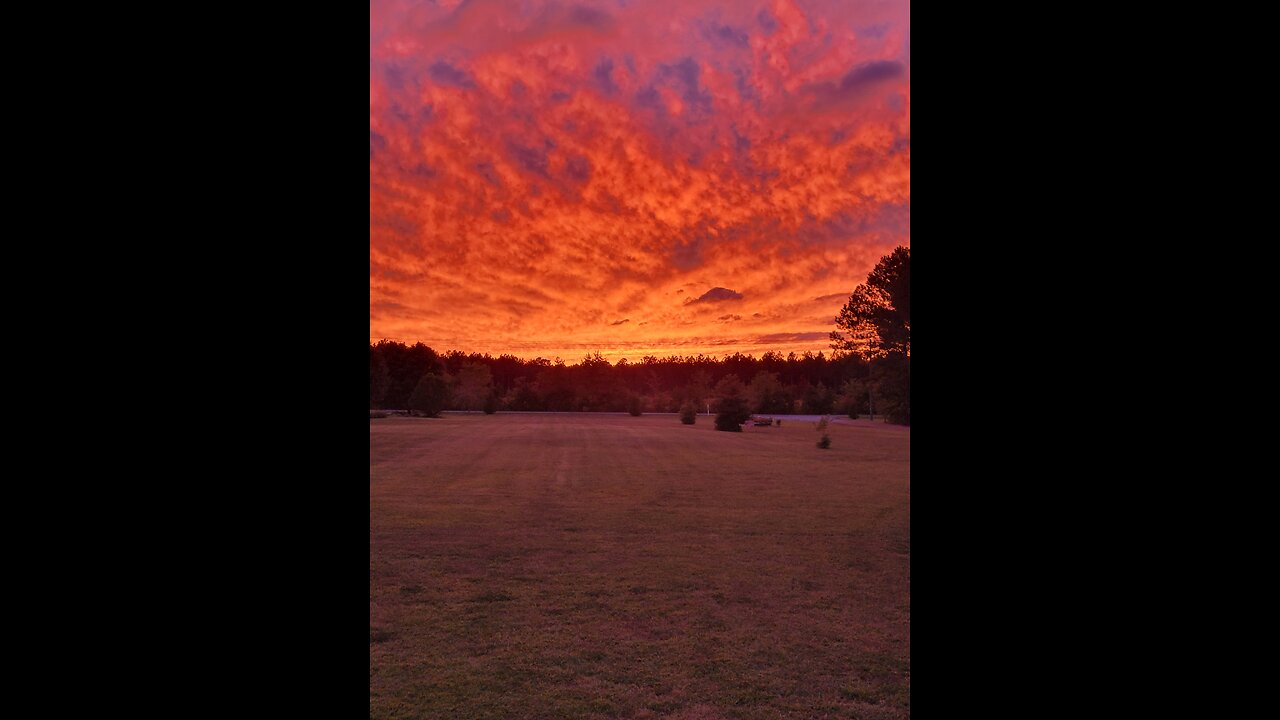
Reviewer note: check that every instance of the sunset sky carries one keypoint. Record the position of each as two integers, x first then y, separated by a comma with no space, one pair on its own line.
633,177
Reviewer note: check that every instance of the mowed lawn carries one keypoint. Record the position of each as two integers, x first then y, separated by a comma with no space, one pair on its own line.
608,566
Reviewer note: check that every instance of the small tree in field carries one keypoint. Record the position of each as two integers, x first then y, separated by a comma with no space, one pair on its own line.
728,414
430,395
731,404
688,415
491,404
633,405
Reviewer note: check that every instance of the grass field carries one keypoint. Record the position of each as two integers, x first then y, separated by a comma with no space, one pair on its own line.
608,566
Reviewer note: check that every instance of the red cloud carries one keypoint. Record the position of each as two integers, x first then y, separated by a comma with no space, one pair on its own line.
538,170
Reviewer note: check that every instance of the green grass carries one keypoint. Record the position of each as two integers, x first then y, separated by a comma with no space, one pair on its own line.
588,566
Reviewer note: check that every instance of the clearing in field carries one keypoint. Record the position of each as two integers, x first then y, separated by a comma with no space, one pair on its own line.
608,566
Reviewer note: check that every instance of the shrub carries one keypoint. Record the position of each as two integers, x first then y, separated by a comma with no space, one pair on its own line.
633,405
731,412
728,422
491,405
430,395
778,422
688,415
731,405
825,442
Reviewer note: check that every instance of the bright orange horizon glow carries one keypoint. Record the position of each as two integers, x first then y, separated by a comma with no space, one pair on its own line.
561,178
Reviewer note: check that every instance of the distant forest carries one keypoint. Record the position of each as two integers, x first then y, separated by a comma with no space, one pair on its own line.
809,384
869,373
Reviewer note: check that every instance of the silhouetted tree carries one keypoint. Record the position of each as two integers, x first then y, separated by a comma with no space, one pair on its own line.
818,400
475,383
877,319
891,381
688,415
523,397
663,385
876,325
430,395
853,397
379,377
699,387
731,405
767,394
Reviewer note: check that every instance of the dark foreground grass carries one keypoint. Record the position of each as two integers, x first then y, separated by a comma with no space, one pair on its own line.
589,566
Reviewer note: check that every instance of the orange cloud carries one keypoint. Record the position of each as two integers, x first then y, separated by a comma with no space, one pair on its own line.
560,178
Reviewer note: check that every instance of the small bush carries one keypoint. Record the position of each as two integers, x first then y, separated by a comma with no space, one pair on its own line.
825,442
688,415
430,395
731,412
490,405
728,422
633,406
778,422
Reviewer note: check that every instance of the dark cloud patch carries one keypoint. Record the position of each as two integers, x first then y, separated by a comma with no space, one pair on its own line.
489,173
560,97
832,296
422,171
603,75
501,215
685,75
746,90
395,76
533,160
390,272
398,223
648,97
729,318
590,17
869,73
401,113
387,307
377,143
445,74
873,31
578,168
688,255
619,322
790,337
716,294
767,21
727,35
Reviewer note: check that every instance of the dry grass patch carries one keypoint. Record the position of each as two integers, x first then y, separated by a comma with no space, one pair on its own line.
582,566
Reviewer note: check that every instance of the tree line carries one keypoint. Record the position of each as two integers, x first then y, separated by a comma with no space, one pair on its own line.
869,372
